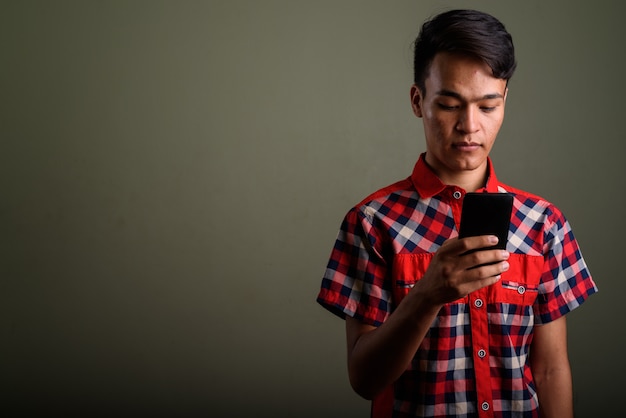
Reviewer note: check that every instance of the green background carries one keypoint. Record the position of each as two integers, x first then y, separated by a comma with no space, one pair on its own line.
174,173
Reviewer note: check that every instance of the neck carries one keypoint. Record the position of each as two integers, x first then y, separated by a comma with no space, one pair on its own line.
468,180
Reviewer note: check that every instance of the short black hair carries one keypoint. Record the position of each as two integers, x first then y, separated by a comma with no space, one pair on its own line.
467,32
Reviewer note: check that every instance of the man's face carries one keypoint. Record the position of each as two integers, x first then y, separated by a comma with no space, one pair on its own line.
462,111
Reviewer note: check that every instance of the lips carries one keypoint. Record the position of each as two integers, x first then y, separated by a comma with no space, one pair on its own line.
466,146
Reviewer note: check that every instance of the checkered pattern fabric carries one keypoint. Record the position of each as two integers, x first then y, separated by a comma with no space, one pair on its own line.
473,361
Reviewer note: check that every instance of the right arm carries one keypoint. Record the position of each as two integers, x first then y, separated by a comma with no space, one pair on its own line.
377,356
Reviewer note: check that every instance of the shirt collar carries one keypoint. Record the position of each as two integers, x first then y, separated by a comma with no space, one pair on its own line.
428,184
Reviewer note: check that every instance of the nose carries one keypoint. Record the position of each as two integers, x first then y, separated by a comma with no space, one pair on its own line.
468,120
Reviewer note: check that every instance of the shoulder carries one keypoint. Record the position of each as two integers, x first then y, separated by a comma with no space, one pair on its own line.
531,202
534,214
392,199
391,192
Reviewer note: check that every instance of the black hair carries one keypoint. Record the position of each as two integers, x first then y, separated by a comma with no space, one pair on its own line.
466,32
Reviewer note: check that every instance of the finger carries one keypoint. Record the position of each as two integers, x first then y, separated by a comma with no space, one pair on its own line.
491,270
483,276
469,244
471,286
483,257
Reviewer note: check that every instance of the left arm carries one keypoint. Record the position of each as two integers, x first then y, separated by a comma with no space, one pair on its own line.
549,363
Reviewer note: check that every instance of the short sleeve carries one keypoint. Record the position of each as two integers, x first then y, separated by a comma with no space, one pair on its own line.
565,282
355,282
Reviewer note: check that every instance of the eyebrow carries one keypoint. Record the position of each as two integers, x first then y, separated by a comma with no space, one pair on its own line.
456,95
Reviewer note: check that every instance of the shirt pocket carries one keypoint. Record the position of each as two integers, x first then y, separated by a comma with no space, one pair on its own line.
407,270
520,284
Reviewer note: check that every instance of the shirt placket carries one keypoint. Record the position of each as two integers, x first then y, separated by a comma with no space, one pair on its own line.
480,351
479,326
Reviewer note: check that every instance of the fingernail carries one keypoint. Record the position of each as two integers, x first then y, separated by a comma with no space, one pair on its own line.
505,266
505,254
493,239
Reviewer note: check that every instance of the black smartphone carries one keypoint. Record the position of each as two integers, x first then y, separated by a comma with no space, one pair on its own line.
487,214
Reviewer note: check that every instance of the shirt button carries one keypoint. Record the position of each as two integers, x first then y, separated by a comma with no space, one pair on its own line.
485,406
521,290
456,194
478,303
482,353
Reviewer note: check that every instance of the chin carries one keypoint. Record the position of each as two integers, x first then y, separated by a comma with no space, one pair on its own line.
470,164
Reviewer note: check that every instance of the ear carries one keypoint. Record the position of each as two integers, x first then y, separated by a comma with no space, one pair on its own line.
416,100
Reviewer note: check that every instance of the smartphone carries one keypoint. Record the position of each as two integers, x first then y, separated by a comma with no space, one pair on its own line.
487,214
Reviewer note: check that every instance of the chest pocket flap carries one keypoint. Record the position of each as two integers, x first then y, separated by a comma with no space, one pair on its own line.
519,285
407,270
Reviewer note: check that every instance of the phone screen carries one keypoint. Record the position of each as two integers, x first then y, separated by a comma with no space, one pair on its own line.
487,214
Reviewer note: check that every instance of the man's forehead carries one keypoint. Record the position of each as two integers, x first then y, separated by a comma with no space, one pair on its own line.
459,76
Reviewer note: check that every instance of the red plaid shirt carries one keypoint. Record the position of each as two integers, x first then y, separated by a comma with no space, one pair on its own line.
473,362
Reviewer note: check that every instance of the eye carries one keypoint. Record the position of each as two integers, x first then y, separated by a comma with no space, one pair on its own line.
489,106
446,107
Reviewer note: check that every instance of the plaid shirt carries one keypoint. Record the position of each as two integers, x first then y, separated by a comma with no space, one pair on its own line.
473,362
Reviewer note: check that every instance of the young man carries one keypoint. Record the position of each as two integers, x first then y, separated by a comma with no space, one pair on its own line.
433,328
